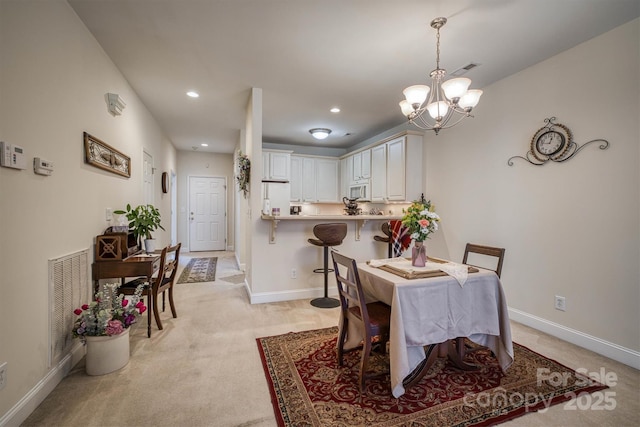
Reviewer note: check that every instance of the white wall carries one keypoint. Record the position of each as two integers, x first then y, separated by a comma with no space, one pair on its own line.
569,229
194,163
53,80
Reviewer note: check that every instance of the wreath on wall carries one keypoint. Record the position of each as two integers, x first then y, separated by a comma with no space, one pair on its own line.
244,173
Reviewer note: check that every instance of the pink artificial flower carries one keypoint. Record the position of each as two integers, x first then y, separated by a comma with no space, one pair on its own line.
114,327
77,312
142,309
85,306
423,223
125,302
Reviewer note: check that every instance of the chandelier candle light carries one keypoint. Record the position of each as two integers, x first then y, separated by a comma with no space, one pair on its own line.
446,98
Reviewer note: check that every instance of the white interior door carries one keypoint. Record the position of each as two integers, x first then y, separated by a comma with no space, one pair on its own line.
207,214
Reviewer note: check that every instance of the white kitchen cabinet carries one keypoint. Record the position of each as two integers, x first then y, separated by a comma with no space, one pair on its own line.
314,179
379,173
276,165
326,180
396,169
345,177
308,179
361,166
296,178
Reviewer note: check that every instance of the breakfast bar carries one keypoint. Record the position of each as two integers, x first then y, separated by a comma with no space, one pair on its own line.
361,220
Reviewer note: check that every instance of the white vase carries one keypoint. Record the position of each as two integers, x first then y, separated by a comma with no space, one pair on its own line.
150,245
107,354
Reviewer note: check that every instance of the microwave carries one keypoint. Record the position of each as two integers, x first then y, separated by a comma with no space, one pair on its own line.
362,192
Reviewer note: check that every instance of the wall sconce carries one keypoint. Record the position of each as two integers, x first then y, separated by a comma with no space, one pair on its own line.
115,103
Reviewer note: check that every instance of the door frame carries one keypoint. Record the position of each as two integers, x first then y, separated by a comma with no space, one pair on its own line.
226,207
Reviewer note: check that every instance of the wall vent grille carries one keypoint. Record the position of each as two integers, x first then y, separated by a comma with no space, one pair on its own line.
69,288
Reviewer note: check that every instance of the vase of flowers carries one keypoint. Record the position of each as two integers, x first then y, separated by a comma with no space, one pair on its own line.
421,220
103,325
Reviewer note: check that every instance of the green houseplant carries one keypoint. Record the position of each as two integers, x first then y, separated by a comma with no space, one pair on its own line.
143,220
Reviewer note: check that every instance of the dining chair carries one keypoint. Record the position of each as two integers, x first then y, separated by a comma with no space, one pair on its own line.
372,319
163,281
462,346
498,253
386,230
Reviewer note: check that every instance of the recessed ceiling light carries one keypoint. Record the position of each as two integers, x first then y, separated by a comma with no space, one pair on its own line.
204,144
335,110
193,94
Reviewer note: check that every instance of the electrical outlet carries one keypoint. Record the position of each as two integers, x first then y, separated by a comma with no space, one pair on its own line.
108,214
3,375
294,273
561,303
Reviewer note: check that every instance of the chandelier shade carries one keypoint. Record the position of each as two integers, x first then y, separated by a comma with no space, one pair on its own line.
446,102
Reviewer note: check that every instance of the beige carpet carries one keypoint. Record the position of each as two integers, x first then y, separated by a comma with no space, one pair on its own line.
204,368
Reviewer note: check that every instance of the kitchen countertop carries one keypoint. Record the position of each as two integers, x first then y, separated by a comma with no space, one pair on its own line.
361,219
331,217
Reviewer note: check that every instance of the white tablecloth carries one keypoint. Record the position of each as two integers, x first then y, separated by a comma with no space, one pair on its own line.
434,310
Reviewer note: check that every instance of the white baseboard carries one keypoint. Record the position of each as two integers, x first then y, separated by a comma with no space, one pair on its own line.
266,297
608,349
41,390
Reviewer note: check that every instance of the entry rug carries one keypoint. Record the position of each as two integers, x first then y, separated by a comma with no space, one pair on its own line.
308,388
199,270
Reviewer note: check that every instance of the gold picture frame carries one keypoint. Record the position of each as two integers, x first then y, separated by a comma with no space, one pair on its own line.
103,156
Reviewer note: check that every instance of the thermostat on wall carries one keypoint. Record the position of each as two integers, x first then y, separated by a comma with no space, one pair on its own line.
12,156
42,166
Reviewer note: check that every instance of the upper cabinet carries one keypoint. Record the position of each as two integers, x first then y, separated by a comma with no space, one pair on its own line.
397,172
276,165
296,178
361,166
314,179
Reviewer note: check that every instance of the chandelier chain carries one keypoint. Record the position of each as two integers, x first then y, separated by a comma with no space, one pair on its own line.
438,49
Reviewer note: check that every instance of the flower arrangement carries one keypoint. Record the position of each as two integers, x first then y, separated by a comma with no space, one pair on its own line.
108,314
420,219
244,173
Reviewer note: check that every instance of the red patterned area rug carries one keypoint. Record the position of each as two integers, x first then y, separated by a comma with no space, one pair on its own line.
308,388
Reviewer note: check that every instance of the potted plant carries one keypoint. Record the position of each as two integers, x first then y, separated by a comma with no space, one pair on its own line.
103,326
143,219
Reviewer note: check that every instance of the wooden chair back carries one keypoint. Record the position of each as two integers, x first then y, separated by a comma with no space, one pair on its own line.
350,289
372,319
485,250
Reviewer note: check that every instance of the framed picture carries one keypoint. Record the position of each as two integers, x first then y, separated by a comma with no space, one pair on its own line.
103,156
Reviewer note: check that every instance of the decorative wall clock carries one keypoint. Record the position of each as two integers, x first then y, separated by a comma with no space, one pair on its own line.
553,142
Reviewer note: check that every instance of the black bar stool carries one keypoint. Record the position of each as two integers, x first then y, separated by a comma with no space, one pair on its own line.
330,234
386,230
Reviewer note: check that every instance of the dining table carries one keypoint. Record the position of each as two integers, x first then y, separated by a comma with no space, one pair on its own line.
430,308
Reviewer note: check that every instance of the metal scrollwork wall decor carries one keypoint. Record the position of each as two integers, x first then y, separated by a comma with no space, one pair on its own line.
554,142
103,156
244,173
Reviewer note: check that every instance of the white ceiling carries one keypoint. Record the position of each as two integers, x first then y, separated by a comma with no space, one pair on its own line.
310,55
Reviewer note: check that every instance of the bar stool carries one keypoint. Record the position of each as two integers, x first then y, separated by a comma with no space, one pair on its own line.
330,234
386,238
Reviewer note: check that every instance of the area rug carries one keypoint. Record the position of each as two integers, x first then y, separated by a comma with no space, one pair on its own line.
308,388
199,270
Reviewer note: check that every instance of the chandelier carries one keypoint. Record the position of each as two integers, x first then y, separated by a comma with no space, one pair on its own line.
449,101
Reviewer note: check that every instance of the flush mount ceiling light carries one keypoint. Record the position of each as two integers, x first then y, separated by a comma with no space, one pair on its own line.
204,144
447,98
193,94
335,110
320,133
